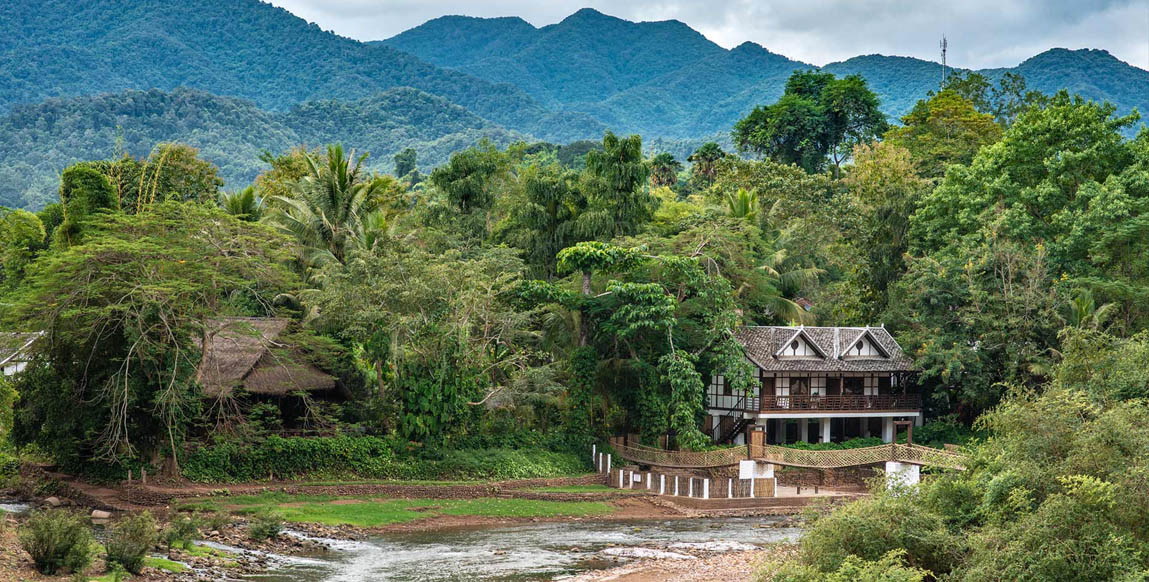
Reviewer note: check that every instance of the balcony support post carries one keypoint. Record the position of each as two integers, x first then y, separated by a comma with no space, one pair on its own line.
824,425
804,430
887,429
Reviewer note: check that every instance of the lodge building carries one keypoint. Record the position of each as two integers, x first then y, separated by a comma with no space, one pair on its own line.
816,384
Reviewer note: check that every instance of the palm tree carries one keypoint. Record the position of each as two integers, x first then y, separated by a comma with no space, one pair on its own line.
243,204
327,209
664,170
704,162
743,204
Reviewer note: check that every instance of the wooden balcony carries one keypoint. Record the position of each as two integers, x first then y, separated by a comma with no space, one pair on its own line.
843,403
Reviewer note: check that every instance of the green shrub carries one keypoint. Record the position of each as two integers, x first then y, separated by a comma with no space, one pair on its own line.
890,568
854,443
57,539
265,525
130,540
181,531
214,521
371,457
871,528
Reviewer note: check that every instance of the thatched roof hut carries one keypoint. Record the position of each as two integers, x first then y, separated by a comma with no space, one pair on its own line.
251,353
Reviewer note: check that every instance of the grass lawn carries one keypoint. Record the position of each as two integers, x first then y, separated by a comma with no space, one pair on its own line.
366,511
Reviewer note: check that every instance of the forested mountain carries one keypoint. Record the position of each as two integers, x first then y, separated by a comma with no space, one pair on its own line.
36,142
663,78
240,48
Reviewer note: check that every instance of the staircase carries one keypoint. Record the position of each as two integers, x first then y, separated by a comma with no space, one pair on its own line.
734,430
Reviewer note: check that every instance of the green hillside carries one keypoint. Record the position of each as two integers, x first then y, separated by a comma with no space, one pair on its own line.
37,142
586,58
240,48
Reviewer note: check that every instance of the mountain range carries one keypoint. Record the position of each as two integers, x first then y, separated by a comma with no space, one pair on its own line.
237,77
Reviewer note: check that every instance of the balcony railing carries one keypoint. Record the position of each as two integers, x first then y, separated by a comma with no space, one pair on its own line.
846,402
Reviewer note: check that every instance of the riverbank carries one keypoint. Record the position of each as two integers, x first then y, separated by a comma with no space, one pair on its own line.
730,566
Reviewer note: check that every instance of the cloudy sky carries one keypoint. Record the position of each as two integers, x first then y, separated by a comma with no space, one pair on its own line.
982,33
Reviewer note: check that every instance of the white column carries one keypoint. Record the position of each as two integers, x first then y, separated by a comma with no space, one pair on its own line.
920,419
608,462
804,430
690,487
599,463
887,429
593,453
706,488
649,478
824,425
620,479
865,427
676,485
780,429
730,488
662,484
751,487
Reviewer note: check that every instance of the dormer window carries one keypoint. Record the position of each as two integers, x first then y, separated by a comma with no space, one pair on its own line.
864,347
799,346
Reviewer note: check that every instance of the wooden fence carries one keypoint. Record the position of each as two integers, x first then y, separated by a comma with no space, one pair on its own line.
831,459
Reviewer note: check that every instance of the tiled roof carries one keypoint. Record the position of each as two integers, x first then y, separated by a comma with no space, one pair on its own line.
762,342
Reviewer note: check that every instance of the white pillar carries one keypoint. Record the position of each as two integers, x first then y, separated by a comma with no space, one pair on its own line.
620,478
824,425
804,430
593,453
649,478
919,420
730,488
608,462
902,474
887,429
706,488
599,465
751,487
662,484
780,430
866,427
676,485
690,487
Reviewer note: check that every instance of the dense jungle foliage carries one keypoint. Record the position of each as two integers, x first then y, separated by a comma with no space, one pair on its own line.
496,315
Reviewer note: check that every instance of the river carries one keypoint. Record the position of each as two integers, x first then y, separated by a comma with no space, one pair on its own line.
534,552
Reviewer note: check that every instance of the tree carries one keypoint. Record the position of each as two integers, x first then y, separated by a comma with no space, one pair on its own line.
21,237
614,180
406,163
884,189
243,204
327,208
704,162
817,117
545,221
946,129
664,170
124,310
471,178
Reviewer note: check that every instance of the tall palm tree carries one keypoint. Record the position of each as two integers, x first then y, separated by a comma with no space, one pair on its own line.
327,208
244,204
704,162
664,170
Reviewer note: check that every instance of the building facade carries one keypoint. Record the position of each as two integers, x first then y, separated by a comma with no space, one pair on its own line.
816,384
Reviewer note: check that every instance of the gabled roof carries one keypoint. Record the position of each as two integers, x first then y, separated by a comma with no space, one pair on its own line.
762,343
15,346
248,352
864,333
799,333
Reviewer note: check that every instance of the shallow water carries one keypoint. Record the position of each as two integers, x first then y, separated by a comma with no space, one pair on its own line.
14,506
534,552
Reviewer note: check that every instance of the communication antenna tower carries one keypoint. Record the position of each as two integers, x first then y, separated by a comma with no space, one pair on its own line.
944,44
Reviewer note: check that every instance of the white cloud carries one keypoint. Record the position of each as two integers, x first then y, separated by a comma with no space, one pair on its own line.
982,33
